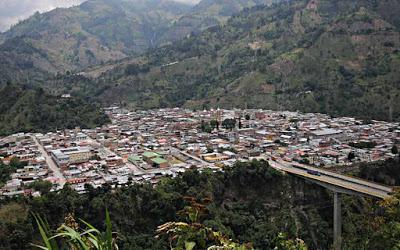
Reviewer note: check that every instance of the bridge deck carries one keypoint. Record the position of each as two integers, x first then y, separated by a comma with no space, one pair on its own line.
336,180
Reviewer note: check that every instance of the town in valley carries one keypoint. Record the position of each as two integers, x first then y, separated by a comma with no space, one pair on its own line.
144,146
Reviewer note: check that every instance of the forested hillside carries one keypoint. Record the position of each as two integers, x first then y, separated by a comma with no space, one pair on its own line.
339,57
98,31
251,203
206,14
24,109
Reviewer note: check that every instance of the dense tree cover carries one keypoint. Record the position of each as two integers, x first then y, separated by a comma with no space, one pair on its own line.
192,234
102,31
386,172
41,186
24,109
248,203
229,123
98,31
5,173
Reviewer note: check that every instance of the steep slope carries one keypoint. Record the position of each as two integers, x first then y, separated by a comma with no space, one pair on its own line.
96,31
25,109
339,57
99,31
208,13
22,62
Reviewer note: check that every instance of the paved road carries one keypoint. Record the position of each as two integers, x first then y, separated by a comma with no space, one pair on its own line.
348,178
334,179
195,158
50,162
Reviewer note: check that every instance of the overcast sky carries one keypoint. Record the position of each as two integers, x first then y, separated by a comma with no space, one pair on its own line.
11,11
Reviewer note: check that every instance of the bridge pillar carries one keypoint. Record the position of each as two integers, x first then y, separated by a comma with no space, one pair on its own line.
337,222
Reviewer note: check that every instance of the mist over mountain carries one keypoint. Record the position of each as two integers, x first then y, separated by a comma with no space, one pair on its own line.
12,12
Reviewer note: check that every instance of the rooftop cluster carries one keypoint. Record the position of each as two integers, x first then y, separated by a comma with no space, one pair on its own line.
143,146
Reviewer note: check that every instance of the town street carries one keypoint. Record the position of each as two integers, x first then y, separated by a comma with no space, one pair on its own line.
50,162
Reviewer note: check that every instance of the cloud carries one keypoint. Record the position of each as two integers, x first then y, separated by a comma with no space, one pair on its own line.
12,11
188,1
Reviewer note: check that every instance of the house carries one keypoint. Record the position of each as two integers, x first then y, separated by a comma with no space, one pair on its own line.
158,162
327,133
71,155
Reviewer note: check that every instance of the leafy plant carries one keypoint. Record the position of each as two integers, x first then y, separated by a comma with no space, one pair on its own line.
70,235
194,235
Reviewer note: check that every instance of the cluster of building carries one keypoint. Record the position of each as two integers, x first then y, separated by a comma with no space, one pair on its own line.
21,152
140,146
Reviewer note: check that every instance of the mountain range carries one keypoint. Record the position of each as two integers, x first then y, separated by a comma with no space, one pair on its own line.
338,57
98,31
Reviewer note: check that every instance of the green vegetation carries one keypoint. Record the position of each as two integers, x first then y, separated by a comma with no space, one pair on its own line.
194,235
249,203
292,56
26,109
394,150
351,156
363,144
336,57
386,172
5,173
69,235
229,124
97,31
7,170
102,31
41,186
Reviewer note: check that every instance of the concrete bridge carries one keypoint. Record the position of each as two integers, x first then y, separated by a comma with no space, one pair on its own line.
339,184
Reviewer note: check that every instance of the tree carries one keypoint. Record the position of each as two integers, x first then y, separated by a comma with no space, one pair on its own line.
193,234
16,163
5,172
387,235
395,150
229,123
247,117
41,186
202,126
351,156
214,124
283,243
205,127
